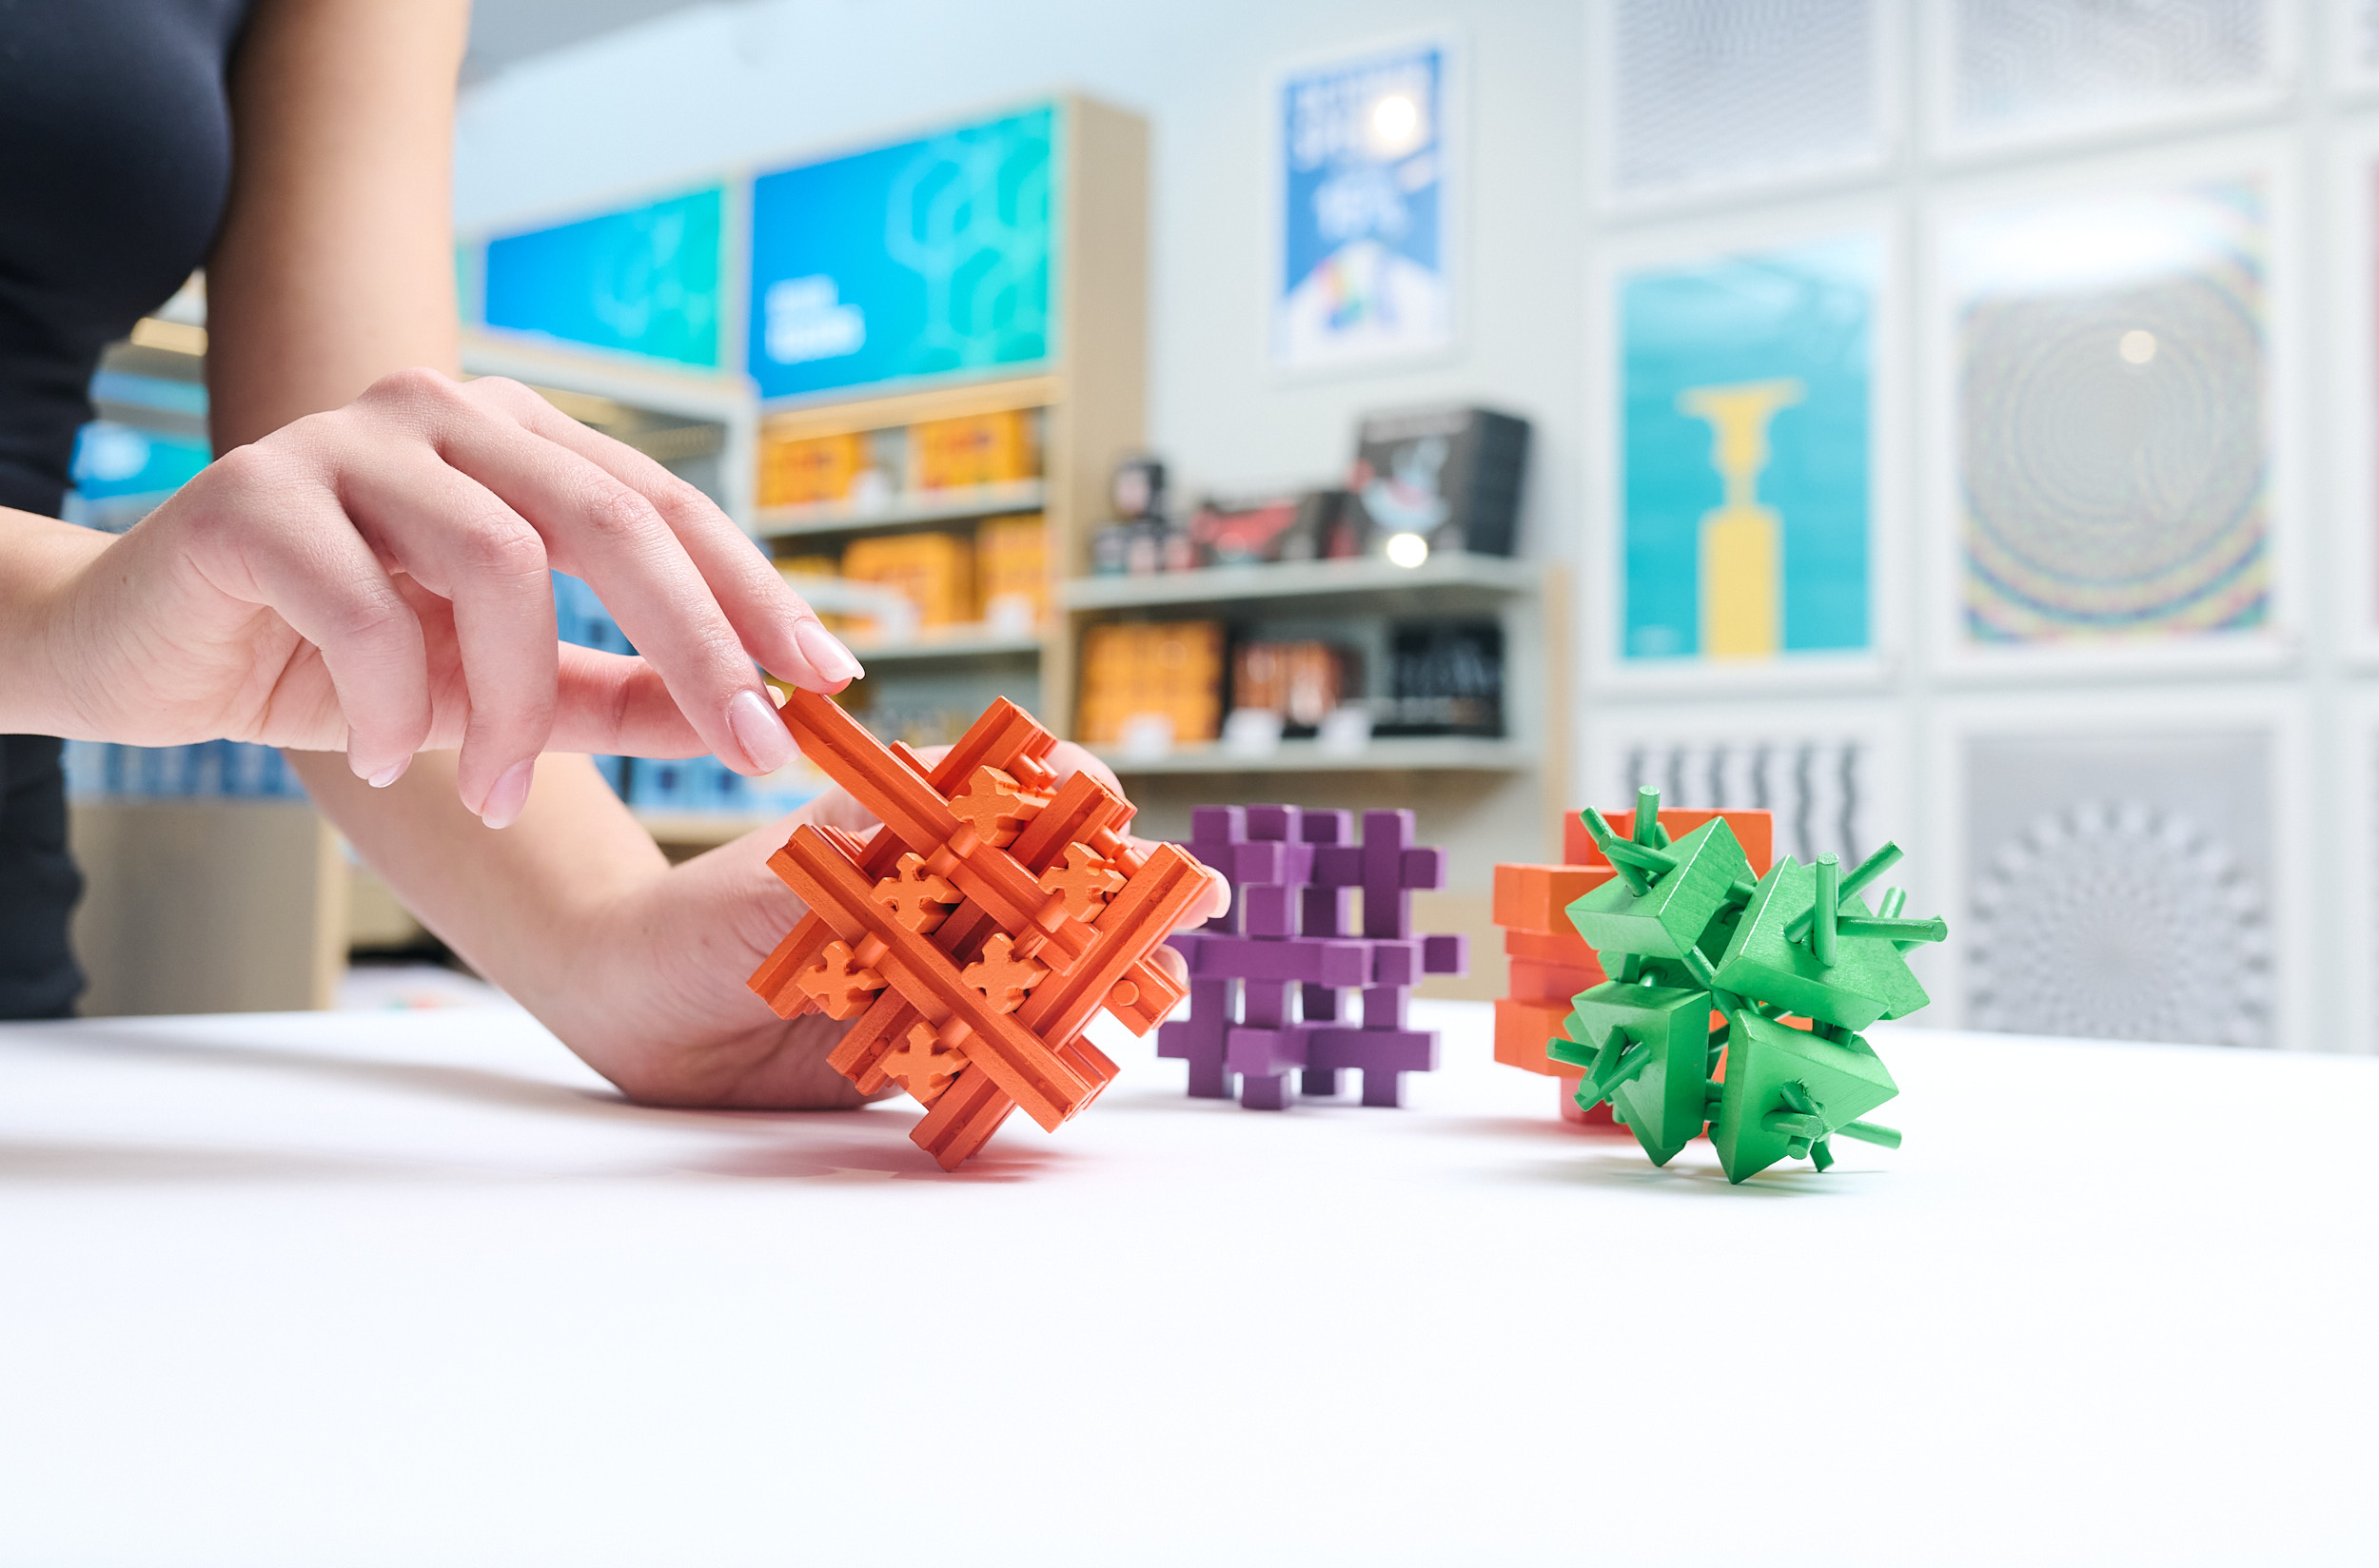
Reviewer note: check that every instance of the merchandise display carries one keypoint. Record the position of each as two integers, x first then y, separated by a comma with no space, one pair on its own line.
934,572
1271,978
1011,567
1302,682
1444,679
1140,549
998,448
808,470
1448,477
972,937
1136,488
1794,961
1145,679
1306,525
210,770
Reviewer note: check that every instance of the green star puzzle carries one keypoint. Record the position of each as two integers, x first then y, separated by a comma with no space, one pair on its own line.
1793,965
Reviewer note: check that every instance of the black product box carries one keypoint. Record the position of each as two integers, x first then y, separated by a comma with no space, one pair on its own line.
1450,475
1309,525
1444,679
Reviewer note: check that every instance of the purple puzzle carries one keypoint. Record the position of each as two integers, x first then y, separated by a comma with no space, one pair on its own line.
1268,981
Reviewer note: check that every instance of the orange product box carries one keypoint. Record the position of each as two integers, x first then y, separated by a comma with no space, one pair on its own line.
1753,830
802,470
974,450
1011,568
935,572
1135,668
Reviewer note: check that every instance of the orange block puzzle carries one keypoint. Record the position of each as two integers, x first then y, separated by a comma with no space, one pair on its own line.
1551,963
973,936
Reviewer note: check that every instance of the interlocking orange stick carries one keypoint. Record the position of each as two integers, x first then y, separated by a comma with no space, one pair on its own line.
973,936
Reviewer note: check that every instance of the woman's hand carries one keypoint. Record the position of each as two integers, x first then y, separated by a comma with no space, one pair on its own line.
374,581
663,1009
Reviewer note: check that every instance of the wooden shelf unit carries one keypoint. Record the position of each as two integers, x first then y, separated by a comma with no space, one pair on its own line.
1091,393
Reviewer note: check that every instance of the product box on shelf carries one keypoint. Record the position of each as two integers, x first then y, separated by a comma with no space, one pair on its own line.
1306,525
974,450
1302,682
935,572
1141,548
1444,679
1144,676
1012,570
1451,476
806,470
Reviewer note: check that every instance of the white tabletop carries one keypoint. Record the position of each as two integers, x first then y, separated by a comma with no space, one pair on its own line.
416,1288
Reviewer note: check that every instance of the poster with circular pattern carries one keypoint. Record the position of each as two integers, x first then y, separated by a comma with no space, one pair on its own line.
2112,429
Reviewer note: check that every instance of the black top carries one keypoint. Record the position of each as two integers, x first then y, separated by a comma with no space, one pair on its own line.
115,158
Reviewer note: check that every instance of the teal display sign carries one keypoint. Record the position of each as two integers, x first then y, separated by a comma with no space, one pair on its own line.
1744,392
112,460
644,280
931,258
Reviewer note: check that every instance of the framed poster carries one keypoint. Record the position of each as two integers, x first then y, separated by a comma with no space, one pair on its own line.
2352,859
643,281
927,259
2114,364
2354,309
1740,404
2354,43
2127,866
1833,772
1365,151
1695,101
2007,74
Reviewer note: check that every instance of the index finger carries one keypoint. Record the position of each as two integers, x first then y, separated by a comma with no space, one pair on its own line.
775,625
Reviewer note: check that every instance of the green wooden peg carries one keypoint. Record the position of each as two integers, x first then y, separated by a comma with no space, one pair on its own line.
1895,900
1871,1132
1654,862
1648,830
1855,883
1905,934
1826,910
1603,839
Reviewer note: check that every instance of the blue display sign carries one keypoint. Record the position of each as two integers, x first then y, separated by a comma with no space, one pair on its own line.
644,280
1363,271
926,259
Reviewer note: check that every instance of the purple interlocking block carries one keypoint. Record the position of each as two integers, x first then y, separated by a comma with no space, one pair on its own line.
1270,981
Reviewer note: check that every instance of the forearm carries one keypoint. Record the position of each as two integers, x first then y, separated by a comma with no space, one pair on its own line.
333,269
41,559
520,906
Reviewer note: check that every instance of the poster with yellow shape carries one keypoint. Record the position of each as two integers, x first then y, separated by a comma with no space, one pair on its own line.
1745,387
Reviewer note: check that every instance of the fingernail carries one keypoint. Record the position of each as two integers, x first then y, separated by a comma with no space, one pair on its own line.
827,656
511,793
389,774
759,732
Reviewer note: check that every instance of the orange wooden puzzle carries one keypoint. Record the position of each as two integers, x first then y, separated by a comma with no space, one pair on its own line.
972,937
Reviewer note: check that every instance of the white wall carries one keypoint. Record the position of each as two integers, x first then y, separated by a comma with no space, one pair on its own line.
681,96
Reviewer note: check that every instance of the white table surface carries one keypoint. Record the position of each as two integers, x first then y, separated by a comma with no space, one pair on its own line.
416,1288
